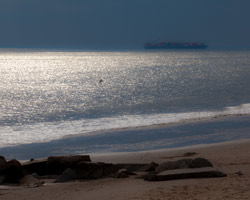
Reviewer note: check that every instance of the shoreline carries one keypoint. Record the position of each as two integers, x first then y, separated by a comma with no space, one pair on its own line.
139,139
165,125
42,133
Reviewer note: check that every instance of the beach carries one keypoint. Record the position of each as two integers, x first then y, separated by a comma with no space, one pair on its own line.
230,157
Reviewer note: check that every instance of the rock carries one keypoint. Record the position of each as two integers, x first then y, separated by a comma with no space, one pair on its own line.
149,168
109,169
68,175
88,170
49,177
57,164
2,160
184,163
200,162
132,167
2,177
3,163
239,173
123,173
30,180
39,167
206,172
13,172
179,164
35,175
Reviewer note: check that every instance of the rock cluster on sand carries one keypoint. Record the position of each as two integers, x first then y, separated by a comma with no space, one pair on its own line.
70,168
184,169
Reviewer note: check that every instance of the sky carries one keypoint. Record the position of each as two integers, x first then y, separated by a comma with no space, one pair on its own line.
100,24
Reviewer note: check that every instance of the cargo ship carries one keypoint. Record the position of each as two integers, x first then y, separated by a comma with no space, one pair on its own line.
175,45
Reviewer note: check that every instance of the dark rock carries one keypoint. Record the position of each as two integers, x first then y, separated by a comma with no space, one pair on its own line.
239,173
2,160
132,167
123,173
13,172
57,164
37,166
149,168
88,170
35,175
3,163
179,164
207,172
30,180
200,162
109,169
184,163
68,175
2,177
49,177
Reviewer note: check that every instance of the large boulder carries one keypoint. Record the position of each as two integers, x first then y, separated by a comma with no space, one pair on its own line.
67,175
123,173
179,164
151,167
58,164
13,172
188,173
39,167
31,180
88,170
109,169
2,160
199,163
2,177
132,167
3,163
184,163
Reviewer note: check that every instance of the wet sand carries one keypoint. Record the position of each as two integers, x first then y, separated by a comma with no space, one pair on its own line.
161,136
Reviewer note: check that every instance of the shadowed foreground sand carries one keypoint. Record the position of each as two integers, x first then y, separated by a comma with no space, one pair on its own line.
227,157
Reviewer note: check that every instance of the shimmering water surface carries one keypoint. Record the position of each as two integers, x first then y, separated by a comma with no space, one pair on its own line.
49,95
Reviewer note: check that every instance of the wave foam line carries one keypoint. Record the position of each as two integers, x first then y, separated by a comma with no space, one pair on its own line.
44,132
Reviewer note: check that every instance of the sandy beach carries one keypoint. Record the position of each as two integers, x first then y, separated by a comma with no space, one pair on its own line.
229,157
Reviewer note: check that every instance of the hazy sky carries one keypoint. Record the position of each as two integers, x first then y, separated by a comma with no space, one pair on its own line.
123,23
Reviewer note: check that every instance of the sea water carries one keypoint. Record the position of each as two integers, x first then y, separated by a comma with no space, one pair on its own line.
46,95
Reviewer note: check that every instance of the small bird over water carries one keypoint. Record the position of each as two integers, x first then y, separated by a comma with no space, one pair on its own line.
100,81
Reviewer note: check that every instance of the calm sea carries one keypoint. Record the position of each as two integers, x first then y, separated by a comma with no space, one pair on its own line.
49,95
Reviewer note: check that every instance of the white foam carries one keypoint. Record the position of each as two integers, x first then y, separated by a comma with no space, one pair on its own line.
43,132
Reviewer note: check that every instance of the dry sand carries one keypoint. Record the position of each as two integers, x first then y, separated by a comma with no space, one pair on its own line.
227,157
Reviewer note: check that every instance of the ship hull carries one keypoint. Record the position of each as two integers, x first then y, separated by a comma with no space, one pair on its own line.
164,45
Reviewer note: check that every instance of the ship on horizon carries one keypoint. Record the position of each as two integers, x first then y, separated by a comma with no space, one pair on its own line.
175,45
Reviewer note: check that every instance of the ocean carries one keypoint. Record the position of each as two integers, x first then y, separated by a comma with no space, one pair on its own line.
48,96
